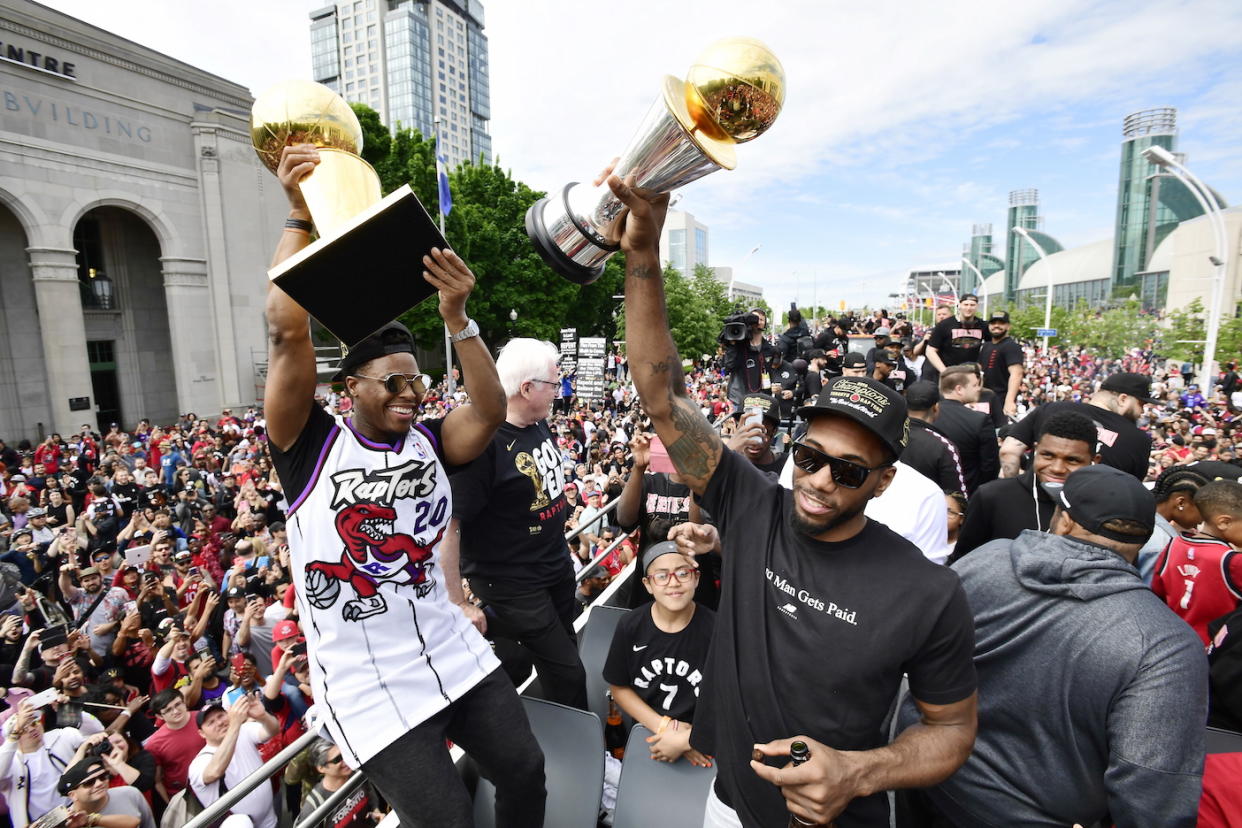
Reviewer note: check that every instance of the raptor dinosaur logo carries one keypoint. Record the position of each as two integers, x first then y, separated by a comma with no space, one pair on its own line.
373,554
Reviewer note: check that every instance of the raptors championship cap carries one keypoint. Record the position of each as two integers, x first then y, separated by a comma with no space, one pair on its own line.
871,404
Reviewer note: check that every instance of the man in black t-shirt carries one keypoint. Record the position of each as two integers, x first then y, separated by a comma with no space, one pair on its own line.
1001,360
1115,409
658,656
786,386
957,340
823,610
510,503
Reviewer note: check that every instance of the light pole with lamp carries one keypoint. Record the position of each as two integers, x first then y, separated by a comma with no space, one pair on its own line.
945,283
982,290
1164,159
1039,251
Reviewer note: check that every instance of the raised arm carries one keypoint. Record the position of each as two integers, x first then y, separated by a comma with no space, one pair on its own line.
290,384
468,428
655,366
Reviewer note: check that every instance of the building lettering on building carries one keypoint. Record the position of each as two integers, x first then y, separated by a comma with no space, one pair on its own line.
26,56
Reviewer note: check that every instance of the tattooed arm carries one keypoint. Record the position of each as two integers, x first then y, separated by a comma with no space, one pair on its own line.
655,367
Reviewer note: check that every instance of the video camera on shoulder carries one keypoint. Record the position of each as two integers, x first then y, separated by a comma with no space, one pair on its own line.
739,326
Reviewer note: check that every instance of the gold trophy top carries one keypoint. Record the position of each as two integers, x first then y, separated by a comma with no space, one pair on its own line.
732,94
302,112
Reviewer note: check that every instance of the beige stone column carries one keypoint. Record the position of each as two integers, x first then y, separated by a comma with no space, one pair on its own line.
58,301
193,335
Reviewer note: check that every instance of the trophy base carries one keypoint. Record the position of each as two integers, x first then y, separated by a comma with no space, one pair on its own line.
551,252
358,280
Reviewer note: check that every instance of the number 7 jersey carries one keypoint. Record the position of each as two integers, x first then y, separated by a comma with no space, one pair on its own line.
387,649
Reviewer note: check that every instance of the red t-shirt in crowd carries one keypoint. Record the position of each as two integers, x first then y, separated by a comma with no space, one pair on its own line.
174,750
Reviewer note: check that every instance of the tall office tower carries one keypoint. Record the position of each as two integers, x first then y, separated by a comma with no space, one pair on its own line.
414,62
683,242
979,253
1023,212
1135,205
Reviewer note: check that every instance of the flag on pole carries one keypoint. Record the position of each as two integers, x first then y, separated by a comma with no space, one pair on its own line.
446,196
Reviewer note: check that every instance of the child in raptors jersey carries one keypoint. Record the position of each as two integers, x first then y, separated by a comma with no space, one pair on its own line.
1200,576
658,654
396,667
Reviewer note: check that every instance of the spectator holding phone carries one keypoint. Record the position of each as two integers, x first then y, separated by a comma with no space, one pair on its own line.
105,608
231,754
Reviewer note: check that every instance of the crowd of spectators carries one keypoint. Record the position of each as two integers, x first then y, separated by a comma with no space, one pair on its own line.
145,572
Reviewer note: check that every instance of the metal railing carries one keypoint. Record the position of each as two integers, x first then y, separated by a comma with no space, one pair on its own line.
269,768
277,763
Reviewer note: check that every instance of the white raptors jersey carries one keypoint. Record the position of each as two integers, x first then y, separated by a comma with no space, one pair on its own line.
387,649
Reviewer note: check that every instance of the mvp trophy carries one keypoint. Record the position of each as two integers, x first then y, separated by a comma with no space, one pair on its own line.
733,93
355,255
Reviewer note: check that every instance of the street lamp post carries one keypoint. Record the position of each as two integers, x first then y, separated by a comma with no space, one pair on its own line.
1039,251
945,283
982,289
1164,159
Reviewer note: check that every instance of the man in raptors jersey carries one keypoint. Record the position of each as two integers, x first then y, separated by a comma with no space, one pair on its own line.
1200,576
395,665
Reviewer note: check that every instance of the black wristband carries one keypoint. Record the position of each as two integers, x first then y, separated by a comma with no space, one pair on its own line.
299,224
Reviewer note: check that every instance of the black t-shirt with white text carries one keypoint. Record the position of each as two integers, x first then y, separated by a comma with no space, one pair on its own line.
813,638
665,669
958,341
511,504
1123,445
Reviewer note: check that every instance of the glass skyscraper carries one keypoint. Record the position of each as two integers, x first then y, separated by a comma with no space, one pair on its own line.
414,62
1140,130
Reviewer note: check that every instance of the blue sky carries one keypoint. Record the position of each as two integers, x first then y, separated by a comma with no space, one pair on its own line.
904,123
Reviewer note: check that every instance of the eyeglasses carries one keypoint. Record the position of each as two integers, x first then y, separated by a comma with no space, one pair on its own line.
340,757
955,513
396,383
845,473
94,780
682,574
557,385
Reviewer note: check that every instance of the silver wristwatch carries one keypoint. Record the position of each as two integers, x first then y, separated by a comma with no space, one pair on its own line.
471,329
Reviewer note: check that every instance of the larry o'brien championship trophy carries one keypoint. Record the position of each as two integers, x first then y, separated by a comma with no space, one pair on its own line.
365,269
733,93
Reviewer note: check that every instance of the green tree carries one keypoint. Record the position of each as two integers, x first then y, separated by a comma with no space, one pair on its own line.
712,291
1186,331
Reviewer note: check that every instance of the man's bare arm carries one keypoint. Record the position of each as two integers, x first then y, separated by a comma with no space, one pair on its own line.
290,385
933,356
1011,451
1016,372
655,366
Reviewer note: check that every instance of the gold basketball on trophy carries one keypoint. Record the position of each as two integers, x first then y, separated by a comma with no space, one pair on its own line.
304,112
737,86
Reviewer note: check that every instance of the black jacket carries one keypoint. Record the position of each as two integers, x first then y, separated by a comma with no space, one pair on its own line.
788,341
975,437
1002,509
934,456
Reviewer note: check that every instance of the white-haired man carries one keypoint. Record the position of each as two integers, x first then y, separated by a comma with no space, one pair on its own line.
510,506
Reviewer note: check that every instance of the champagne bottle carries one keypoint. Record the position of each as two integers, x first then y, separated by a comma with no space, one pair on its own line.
798,753
614,730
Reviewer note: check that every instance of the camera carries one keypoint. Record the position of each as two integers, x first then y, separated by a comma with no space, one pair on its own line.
100,749
738,326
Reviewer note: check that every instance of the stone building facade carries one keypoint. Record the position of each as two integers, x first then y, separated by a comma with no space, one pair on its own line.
136,225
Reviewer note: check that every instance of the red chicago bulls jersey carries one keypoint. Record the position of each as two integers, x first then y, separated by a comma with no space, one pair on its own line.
1200,579
387,649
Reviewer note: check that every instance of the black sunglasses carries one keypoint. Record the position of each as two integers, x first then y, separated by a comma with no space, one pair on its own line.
396,383
845,473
